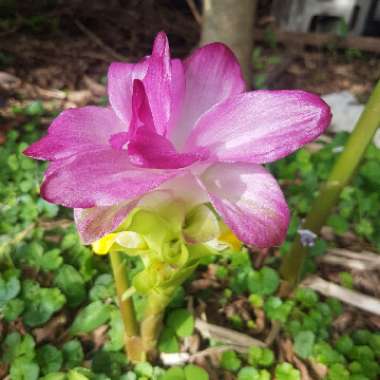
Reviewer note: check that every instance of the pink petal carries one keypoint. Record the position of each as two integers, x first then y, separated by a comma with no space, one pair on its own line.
157,83
76,130
94,223
120,85
261,126
147,148
249,200
212,74
150,150
100,178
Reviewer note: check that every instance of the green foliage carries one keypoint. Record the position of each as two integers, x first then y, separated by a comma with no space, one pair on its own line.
303,343
91,317
49,359
71,283
230,361
57,274
41,303
278,310
285,371
190,372
181,321
168,341
263,282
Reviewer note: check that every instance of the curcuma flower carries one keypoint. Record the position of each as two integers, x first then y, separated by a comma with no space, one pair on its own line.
187,128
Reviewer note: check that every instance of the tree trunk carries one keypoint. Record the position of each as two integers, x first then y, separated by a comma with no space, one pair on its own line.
231,22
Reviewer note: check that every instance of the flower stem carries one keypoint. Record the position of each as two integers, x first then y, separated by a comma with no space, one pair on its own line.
153,316
340,176
133,343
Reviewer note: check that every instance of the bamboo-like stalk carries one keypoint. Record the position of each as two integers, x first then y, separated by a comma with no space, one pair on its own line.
133,343
153,317
340,176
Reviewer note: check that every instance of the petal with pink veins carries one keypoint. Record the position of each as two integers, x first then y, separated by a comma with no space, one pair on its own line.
250,202
76,131
100,178
150,150
212,74
94,223
260,126
157,83
120,86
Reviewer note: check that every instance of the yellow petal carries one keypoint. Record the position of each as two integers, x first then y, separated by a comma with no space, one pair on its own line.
228,237
103,245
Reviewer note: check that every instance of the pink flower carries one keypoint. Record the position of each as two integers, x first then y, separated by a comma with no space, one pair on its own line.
186,126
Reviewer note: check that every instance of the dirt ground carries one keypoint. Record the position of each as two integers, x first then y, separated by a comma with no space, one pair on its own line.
61,55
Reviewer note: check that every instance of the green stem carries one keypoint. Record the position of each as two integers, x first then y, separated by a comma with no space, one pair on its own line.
340,176
153,316
133,343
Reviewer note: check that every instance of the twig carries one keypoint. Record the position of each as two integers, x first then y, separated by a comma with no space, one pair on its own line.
227,336
194,10
99,42
273,333
329,289
353,260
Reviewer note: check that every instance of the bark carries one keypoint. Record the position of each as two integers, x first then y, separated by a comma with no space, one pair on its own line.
231,22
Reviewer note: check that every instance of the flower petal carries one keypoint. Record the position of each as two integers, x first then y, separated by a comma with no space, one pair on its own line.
150,150
100,178
250,202
75,131
94,223
120,86
212,74
157,83
261,126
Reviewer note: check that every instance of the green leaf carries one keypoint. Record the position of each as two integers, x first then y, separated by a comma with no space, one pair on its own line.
108,363
103,288
182,321
72,353
51,260
303,343
346,280
41,304
15,346
174,373
168,341
9,288
115,333
306,297
35,108
193,372
325,354
263,282
344,344
24,369
92,316
230,361
54,376
258,356
339,224
144,369
338,372
278,310
12,309
285,371
49,359
248,373
70,281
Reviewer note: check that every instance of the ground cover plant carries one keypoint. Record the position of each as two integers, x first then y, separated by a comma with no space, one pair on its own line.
58,298
60,312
